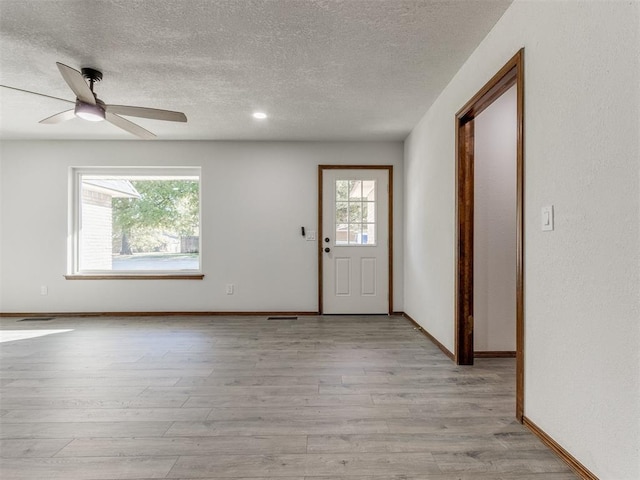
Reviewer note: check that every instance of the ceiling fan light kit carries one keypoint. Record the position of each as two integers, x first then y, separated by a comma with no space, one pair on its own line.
92,113
90,107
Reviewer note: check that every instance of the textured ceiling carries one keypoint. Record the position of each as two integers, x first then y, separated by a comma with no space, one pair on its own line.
321,69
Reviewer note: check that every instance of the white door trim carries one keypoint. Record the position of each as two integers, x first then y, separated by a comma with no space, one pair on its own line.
321,169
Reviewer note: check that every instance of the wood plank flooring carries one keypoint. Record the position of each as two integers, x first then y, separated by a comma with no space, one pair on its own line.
317,398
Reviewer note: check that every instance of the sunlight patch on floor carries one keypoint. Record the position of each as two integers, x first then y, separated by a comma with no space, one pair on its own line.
12,335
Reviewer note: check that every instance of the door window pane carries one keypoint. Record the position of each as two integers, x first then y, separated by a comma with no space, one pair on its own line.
355,233
369,190
355,189
342,212
355,212
342,234
342,189
355,215
369,234
369,212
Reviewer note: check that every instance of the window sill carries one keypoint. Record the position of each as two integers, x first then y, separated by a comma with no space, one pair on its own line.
134,276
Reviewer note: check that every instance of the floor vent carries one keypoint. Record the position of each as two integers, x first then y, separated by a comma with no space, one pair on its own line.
282,318
36,319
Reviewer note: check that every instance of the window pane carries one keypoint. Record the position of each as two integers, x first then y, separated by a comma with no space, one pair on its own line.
139,223
355,234
369,190
369,212
342,234
355,212
355,189
369,234
342,189
342,212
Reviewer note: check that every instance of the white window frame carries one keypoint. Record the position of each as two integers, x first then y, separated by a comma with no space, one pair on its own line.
75,216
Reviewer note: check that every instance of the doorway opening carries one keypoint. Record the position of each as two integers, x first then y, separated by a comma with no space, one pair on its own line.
512,74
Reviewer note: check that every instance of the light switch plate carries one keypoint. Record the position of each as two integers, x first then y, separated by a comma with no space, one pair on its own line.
311,235
547,218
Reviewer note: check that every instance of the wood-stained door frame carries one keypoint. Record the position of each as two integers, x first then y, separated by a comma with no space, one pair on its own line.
321,169
511,74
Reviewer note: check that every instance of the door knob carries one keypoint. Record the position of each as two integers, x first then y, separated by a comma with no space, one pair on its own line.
327,250
326,239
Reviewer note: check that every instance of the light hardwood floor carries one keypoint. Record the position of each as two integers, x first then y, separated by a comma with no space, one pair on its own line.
317,398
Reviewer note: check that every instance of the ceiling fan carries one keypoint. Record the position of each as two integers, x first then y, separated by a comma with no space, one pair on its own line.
90,107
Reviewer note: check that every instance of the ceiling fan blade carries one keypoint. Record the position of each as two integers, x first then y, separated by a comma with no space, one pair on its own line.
60,117
36,93
76,81
143,112
128,126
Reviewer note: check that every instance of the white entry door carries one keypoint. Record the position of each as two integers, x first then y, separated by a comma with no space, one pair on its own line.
355,241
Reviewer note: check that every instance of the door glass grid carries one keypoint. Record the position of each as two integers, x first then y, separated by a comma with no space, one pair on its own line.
355,215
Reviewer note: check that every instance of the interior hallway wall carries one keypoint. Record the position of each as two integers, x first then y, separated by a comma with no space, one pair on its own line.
255,198
582,281
495,228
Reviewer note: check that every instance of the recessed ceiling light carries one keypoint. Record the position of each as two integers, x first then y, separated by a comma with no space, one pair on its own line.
259,115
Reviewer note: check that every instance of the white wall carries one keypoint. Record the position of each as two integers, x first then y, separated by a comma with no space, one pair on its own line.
495,240
582,281
255,198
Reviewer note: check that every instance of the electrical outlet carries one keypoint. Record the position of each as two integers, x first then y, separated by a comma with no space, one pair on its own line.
44,290
229,288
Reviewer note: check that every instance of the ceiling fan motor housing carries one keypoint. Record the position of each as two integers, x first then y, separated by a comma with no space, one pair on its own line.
93,113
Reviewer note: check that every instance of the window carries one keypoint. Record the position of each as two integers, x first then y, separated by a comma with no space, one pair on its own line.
135,221
355,212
